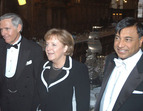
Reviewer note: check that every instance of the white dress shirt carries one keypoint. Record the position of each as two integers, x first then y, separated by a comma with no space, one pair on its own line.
11,60
116,81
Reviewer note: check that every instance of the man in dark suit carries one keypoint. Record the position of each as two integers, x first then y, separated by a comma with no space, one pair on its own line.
1,46
122,87
19,64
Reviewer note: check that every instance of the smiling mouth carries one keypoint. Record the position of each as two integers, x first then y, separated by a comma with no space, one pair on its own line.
121,51
50,53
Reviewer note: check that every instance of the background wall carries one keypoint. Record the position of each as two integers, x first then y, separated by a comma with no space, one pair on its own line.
76,16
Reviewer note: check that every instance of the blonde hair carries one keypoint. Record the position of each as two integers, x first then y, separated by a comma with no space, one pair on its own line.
64,37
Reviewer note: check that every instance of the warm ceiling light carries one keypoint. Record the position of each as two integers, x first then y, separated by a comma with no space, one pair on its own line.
22,2
120,13
125,1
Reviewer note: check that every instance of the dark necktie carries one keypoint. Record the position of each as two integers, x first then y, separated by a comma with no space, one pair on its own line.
15,46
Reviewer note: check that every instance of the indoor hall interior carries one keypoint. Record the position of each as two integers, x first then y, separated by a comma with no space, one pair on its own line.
91,23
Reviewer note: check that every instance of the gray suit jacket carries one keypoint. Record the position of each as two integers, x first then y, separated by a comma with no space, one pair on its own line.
126,101
30,55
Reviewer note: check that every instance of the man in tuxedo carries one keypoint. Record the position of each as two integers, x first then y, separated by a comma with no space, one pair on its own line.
122,86
19,65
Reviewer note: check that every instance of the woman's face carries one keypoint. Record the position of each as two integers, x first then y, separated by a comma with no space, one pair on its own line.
55,50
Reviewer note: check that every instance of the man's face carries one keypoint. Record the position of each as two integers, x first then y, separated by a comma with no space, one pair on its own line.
127,43
9,32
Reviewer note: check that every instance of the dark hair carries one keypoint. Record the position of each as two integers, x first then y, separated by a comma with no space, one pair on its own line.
128,22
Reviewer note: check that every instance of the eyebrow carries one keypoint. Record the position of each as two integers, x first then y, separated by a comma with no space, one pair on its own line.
124,37
128,37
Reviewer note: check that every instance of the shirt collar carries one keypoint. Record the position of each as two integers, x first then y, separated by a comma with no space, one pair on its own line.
18,40
132,61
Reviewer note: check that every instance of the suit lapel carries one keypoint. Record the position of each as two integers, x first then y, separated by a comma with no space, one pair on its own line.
23,57
134,79
107,74
3,59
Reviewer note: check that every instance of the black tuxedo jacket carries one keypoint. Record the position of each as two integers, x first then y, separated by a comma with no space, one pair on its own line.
127,100
30,55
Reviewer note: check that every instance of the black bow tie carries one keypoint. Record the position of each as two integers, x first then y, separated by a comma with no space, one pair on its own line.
15,46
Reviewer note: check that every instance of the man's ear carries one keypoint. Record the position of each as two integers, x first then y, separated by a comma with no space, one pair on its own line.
19,28
141,41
